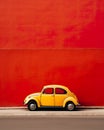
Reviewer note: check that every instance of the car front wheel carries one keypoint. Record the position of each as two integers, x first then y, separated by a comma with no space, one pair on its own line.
32,106
70,106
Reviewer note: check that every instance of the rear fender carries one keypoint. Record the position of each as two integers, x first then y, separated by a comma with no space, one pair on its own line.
70,99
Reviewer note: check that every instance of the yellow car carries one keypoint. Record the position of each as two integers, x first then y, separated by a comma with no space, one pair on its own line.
52,96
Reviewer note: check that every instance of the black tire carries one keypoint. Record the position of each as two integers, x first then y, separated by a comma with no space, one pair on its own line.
32,106
70,106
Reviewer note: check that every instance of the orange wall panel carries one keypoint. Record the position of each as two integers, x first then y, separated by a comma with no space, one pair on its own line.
51,24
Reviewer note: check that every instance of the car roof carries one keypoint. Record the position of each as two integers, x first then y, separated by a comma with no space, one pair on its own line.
56,86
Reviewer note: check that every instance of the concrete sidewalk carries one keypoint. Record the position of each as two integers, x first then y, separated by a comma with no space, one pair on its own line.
23,112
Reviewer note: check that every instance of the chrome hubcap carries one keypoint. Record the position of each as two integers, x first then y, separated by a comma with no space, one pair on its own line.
33,106
70,107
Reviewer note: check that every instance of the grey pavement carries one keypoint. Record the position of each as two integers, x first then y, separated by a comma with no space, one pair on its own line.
55,123
24,112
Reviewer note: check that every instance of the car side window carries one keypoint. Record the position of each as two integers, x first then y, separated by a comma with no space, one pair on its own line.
60,91
48,91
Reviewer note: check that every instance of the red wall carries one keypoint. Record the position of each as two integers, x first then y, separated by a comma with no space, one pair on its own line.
26,71
51,42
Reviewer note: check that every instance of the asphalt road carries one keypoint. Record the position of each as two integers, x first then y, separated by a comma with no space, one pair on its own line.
51,123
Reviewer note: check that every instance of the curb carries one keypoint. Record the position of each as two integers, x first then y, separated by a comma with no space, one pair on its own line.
82,112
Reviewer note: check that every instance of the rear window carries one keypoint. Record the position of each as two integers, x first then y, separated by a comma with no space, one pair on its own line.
60,91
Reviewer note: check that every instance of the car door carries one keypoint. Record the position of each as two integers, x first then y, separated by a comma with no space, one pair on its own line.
60,96
47,97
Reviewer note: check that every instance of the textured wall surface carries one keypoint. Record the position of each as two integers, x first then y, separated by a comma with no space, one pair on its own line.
51,42
51,24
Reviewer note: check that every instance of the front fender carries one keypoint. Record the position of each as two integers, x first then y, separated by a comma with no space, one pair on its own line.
32,99
70,99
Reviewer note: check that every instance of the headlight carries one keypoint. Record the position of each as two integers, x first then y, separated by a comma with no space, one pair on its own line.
29,97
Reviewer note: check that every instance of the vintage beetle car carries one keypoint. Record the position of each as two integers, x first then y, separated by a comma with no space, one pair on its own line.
52,96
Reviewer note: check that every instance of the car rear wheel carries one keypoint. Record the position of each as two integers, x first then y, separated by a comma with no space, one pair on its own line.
32,106
70,106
